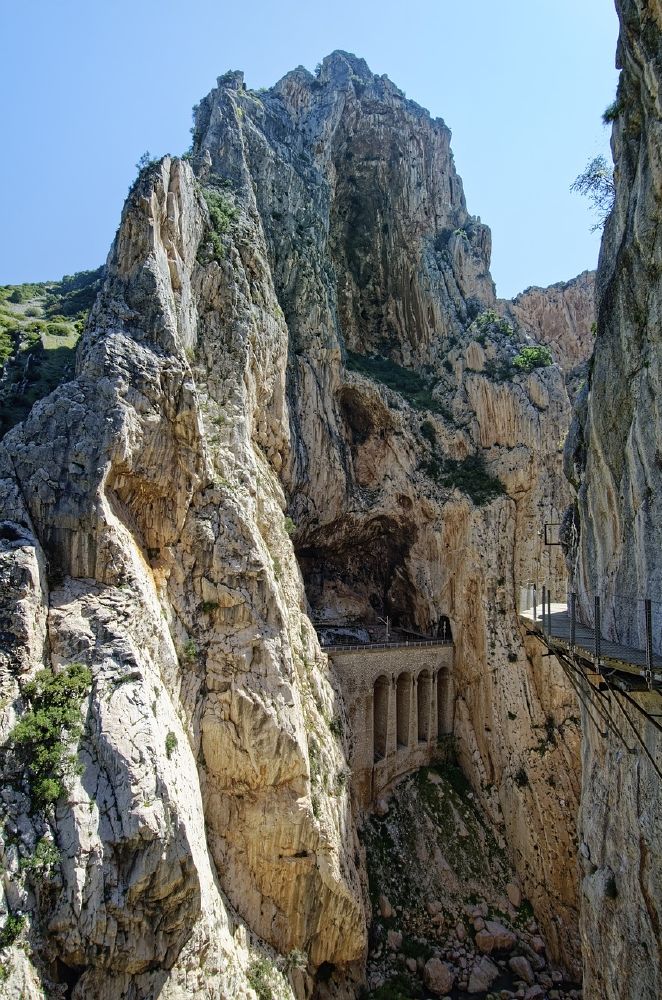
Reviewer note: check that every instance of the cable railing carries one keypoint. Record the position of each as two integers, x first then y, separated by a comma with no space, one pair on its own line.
616,627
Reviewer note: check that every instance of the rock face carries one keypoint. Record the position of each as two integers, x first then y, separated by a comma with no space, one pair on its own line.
563,317
613,459
138,542
299,319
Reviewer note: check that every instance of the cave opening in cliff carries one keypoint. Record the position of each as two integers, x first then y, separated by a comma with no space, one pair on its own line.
357,572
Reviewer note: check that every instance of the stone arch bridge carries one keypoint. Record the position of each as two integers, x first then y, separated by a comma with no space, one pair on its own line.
400,703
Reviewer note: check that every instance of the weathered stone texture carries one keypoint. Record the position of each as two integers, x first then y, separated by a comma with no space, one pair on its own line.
563,317
613,459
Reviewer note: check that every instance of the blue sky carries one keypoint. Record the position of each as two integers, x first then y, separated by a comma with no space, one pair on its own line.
87,86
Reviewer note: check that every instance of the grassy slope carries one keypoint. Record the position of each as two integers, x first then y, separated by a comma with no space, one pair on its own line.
40,325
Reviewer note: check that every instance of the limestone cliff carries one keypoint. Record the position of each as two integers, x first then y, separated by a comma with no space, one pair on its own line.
613,459
294,399
563,317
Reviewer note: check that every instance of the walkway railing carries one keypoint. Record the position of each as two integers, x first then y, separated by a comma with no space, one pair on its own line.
343,647
621,629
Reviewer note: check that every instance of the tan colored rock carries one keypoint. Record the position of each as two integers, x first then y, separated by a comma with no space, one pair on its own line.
211,395
439,976
521,967
385,907
394,940
614,532
483,974
485,941
514,894
561,316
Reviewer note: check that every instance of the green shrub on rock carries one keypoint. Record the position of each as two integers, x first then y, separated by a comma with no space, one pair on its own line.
42,737
530,358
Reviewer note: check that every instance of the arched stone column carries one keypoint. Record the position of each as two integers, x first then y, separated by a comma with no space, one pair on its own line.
445,703
423,705
380,704
404,688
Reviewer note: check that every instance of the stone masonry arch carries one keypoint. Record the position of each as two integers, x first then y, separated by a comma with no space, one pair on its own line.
403,688
424,706
399,701
445,702
380,717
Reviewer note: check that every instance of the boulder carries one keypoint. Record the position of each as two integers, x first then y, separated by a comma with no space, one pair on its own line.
538,945
482,976
521,967
439,977
514,894
394,940
385,907
485,942
504,940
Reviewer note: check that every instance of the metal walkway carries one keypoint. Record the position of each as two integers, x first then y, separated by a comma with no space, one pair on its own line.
615,683
557,628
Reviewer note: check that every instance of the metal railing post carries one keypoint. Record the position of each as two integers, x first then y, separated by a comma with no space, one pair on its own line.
544,593
597,634
649,643
549,610
573,620
535,616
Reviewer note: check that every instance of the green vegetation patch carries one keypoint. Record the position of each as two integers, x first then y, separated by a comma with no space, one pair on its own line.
40,864
40,325
41,739
411,385
266,979
488,322
530,358
11,930
222,213
469,475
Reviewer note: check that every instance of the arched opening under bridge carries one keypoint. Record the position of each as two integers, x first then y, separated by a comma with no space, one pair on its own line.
403,708
380,717
424,698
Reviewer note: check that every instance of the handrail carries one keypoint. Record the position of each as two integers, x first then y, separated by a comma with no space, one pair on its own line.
364,646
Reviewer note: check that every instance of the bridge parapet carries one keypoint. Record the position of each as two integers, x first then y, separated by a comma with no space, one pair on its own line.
400,704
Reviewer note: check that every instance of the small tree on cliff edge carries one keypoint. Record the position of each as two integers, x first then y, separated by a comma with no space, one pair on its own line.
597,183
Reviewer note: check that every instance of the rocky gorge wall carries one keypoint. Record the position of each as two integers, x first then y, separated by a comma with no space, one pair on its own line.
563,317
295,401
613,460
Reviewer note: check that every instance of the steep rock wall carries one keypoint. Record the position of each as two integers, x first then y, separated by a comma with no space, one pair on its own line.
156,552
376,261
613,459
